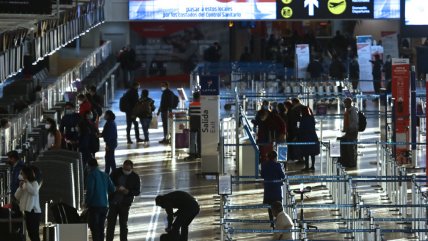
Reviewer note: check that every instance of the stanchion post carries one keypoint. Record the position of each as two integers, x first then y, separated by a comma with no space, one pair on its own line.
171,120
112,86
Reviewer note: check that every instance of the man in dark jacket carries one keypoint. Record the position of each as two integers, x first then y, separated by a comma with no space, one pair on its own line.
127,184
272,171
132,99
16,166
187,207
165,109
68,126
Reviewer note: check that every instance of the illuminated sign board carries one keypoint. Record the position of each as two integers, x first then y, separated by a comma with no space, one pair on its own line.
338,9
202,9
414,22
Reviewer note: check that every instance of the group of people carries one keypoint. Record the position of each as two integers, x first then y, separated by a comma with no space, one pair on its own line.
288,122
107,198
143,108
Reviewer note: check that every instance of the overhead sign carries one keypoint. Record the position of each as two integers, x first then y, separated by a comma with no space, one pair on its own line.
26,6
202,9
325,9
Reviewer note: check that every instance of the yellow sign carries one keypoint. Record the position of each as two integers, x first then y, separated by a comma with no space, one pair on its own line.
286,12
287,1
336,6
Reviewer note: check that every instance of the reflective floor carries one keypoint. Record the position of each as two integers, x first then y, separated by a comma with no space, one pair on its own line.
160,174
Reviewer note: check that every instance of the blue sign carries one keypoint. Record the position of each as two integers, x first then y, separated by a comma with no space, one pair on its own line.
282,152
210,85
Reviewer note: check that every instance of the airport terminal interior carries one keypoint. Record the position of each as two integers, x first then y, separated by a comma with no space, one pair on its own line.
241,69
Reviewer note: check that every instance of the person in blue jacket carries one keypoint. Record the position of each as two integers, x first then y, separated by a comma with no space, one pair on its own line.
109,135
98,186
272,171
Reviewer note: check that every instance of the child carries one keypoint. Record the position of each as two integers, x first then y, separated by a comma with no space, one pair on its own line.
282,222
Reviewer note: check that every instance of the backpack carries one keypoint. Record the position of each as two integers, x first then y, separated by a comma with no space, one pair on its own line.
146,107
175,101
362,121
123,103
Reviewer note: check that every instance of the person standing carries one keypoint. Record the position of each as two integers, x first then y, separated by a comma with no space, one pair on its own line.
27,195
187,207
354,72
68,127
307,133
109,135
147,108
127,184
272,171
54,135
387,69
98,186
195,124
377,73
16,166
84,105
132,100
165,109
350,127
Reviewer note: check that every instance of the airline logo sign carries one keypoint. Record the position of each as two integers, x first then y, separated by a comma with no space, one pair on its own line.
324,9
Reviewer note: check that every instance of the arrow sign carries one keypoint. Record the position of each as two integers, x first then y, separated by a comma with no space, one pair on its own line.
310,4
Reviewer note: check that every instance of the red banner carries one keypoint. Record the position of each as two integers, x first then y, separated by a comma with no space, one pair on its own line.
401,94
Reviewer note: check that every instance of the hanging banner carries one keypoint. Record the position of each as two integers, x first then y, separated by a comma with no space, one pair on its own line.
401,94
303,58
390,44
210,115
364,44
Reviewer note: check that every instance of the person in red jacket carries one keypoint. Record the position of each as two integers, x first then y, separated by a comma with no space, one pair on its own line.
84,105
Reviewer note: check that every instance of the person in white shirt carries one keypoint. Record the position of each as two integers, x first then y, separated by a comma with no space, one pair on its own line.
282,222
27,195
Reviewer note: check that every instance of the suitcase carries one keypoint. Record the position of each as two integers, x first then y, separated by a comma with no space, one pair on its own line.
182,139
64,213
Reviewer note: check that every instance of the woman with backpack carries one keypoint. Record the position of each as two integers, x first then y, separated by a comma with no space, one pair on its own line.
146,106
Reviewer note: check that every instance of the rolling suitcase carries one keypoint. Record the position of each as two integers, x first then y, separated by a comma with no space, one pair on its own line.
182,139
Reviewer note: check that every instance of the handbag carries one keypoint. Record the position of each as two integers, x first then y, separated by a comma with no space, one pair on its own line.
154,122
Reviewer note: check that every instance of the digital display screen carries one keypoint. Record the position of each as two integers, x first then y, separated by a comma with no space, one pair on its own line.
202,9
386,9
415,12
414,22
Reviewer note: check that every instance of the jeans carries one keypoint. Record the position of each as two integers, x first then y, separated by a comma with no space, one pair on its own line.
96,220
110,160
123,212
145,123
32,221
182,222
129,121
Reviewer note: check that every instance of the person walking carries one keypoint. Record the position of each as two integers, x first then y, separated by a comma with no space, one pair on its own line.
307,133
132,100
127,184
147,107
27,195
109,135
272,171
350,127
187,207
98,186
165,109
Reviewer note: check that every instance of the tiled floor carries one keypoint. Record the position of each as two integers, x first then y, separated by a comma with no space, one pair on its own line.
160,174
